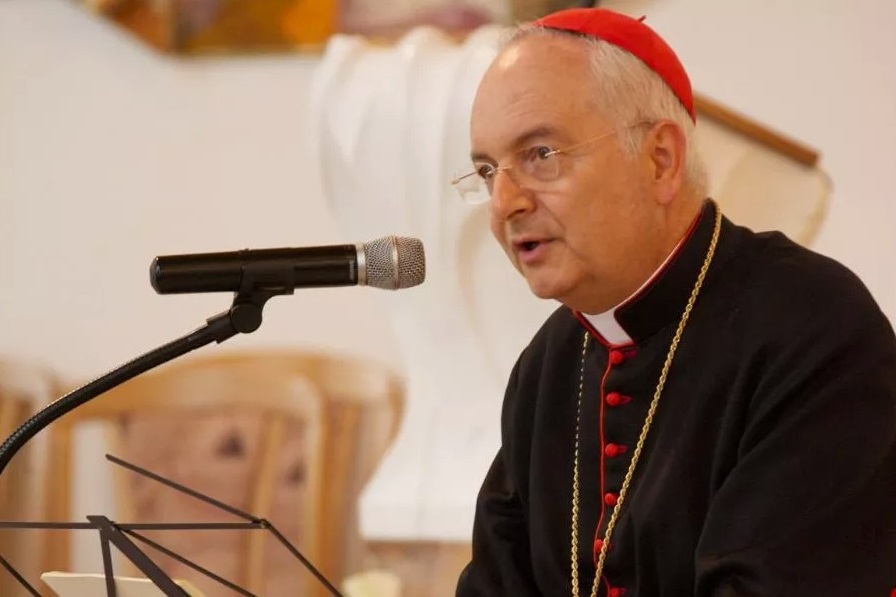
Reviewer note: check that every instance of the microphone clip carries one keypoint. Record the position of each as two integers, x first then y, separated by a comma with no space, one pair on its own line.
246,311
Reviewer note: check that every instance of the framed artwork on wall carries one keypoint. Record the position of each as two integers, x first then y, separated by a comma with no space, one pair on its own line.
192,27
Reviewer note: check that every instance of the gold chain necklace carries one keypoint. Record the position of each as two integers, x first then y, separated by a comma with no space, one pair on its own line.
636,455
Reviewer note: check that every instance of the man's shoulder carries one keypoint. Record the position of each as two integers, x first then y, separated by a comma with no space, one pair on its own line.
559,332
786,269
785,281
560,325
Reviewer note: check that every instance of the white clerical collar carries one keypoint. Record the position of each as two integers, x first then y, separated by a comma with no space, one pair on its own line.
606,324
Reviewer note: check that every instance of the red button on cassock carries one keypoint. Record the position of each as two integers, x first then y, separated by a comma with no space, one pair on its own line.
610,499
616,357
616,399
616,592
614,450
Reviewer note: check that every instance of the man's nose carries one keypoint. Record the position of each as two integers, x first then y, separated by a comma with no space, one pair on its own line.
508,197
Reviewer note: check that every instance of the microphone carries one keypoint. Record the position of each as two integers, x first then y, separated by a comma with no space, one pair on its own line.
391,263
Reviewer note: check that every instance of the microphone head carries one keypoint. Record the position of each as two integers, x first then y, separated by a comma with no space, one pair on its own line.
394,262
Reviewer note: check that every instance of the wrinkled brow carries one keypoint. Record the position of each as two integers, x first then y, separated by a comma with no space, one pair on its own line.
539,132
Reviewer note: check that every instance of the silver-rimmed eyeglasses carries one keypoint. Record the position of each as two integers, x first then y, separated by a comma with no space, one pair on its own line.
528,167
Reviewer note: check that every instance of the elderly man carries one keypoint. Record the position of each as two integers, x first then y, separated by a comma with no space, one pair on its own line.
710,411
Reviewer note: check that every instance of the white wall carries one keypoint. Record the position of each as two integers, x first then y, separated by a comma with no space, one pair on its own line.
111,154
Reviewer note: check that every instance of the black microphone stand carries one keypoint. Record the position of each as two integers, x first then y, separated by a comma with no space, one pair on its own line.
243,317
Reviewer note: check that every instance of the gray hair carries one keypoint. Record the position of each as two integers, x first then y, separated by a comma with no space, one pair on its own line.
627,92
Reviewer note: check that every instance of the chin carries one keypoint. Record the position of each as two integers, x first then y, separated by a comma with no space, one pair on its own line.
546,289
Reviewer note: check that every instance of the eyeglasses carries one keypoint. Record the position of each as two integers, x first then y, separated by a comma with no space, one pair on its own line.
527,167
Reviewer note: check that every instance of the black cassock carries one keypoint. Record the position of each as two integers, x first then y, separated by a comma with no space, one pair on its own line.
769,469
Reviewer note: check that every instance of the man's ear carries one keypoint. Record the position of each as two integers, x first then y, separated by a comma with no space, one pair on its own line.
665,147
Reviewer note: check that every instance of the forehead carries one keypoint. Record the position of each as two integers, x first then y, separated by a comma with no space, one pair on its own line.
538,82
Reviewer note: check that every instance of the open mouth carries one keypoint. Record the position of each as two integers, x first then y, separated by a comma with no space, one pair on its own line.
529,250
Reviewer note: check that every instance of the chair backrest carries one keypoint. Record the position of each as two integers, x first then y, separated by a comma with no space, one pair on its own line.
299,433
245,432
365,403
24,388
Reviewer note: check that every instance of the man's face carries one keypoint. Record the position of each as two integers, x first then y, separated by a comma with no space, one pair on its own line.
575,238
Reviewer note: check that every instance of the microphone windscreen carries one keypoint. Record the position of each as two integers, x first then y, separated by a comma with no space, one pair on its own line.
395,262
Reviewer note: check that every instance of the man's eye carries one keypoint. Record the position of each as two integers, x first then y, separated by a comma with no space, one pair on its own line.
485,171
538,152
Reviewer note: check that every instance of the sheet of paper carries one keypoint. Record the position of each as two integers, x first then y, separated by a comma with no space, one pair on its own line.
69,584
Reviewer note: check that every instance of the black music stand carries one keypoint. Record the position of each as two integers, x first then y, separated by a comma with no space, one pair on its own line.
121,534
244,316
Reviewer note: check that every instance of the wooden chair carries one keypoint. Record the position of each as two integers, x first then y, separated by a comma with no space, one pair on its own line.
364,407
24,387
245,432
357,405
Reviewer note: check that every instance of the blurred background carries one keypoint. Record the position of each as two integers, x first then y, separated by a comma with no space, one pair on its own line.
136,128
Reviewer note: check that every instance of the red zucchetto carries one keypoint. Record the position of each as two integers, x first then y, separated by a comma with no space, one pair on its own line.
633,36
